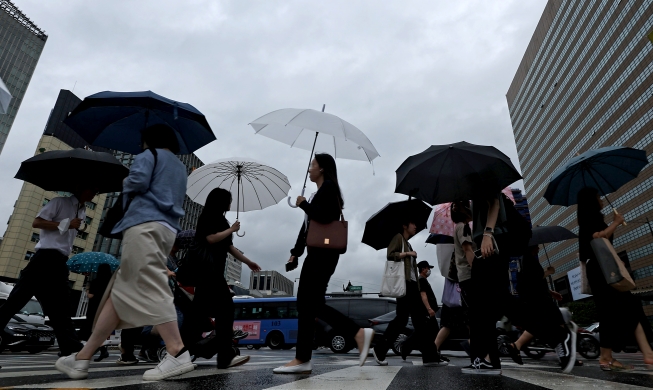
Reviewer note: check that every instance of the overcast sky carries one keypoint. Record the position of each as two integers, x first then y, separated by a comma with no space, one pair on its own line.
409,74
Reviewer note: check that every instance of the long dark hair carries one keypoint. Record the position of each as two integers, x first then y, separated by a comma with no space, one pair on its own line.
459,216
330,172
103,275
160,136
589,208
218,202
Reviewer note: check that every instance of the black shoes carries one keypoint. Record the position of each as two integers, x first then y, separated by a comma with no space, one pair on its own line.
515,354
104,353
481,367
566,350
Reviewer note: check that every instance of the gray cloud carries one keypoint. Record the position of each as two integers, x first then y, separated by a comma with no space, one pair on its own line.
409,74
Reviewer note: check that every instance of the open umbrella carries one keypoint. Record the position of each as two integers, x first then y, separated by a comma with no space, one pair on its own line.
252,184
386,223
88,262
66,170
5,98
185,239
460,171
547,234
115,120
302,128
605,169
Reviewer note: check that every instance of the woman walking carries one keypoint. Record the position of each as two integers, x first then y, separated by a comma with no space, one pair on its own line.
324,207
212,295
95,291
620,313
139,294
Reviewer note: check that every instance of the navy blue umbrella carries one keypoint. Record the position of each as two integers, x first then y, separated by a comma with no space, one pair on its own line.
605,169
115,120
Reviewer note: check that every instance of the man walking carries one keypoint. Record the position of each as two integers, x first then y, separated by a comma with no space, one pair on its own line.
46,275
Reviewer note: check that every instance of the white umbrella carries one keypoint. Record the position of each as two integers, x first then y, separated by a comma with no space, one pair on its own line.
5,98
301,127
252,184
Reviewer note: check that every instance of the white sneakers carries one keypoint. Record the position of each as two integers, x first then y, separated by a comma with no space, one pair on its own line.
304,368
369,336
170,366
238,360
75,369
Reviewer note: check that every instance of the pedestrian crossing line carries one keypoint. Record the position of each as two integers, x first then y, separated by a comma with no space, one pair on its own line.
559,381
359,378
14,374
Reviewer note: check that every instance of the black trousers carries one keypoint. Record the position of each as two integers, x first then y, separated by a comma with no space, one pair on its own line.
409,305
431,329
46,278
212,301
313,282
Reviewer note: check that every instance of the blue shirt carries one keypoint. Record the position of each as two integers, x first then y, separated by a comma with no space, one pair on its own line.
161,190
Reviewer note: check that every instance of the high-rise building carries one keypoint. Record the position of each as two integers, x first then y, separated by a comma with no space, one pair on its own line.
586,82
21,44
233,269
268,283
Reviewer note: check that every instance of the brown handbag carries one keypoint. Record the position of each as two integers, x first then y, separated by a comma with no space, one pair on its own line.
331,235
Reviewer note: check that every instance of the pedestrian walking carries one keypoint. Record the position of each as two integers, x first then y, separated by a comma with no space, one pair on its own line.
139,294
46,275
324,207
431,307
94,291
410,304
212,295
620,313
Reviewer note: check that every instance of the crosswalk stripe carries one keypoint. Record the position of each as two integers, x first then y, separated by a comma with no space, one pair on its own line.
359,378
14,374
558,381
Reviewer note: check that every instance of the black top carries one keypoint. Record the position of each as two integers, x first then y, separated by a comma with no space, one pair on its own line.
324,208
208,226
425,287
585,233
98,286
530,279
480,209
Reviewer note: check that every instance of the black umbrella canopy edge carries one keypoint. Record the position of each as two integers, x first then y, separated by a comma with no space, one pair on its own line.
370,236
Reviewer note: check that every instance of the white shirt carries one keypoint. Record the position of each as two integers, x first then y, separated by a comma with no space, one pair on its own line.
57,210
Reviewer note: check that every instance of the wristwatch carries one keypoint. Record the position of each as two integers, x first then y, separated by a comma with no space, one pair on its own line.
489,230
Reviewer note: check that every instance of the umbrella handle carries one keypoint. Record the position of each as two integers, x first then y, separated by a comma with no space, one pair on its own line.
240,235
290,204
616,212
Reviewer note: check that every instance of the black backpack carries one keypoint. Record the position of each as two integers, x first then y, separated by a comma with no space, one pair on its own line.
514,233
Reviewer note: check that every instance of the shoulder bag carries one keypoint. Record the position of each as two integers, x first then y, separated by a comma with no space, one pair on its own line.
451,294
117,212
195,264
331,235
393,284
614,269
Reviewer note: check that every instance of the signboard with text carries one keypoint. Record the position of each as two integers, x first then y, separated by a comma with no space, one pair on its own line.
355,288
575,283
251,327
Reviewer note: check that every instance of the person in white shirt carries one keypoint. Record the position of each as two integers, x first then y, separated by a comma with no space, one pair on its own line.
46,275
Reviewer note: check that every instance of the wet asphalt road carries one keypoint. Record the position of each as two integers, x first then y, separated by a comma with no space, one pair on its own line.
330,371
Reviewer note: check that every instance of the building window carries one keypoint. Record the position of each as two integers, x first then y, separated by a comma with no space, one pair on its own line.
45,201
77,250
89,220
28,255
35,237
90,205
82,235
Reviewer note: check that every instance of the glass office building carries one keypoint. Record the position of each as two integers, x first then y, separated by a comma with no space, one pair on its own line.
585,82
21,44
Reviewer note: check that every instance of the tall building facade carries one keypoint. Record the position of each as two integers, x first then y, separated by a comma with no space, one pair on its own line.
265,283
21,44
233,269
586,82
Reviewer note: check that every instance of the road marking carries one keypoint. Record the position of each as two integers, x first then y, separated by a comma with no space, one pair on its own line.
359,378
14,374
558,381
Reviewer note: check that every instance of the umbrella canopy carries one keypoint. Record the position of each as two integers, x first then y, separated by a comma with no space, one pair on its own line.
5,98
460,171
87,262
66,170
436,239
549,234
115,120
386,223
185,239
300,128
254,184
605,169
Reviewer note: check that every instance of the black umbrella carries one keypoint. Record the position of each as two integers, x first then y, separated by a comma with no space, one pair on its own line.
460,171
549,234
67,170
386,223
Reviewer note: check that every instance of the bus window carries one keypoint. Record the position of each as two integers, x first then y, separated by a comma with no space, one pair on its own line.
292,310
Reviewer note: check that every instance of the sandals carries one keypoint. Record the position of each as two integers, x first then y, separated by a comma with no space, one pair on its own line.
611,367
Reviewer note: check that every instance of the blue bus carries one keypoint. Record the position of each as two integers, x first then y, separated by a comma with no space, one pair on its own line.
270,322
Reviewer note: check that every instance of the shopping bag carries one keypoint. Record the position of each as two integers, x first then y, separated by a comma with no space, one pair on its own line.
451,294
393,284
614,270
444,252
